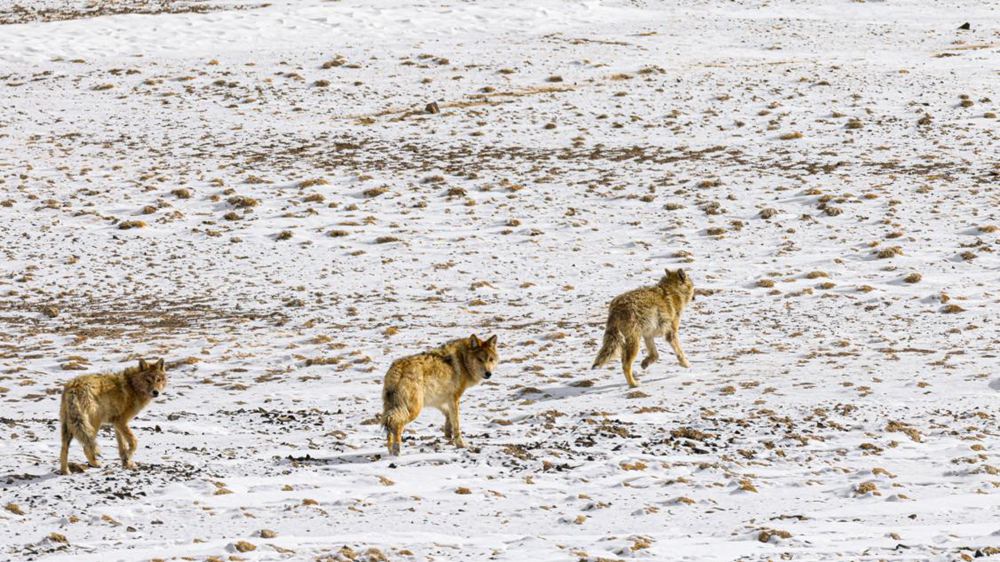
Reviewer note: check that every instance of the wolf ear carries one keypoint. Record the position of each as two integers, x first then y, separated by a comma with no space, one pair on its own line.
668,272
681,275
492,342
160,365
143,366
474,341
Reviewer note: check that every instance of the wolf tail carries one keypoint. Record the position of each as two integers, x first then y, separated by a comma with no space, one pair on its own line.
613,342
394,411
76,424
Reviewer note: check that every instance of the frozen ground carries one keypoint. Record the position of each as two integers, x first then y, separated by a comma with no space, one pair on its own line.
306,220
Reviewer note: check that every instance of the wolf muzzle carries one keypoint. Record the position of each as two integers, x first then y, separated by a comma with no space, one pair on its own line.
487,374
155,393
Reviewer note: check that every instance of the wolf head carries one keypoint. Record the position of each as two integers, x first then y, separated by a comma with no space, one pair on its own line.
482,357
678,282
151,378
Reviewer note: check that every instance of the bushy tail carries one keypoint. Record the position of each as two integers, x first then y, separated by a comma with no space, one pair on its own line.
75,422
394,411
613,341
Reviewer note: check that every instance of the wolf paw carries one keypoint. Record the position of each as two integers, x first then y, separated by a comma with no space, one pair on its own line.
129,465
648,361
459,442
685,364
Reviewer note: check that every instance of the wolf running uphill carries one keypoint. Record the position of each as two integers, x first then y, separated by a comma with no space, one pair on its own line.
646,313
436,378
90,401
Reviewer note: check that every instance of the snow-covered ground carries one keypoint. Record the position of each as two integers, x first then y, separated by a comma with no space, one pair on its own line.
826,170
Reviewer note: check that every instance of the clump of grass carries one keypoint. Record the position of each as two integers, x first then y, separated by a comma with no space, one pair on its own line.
673,206
554,78
232,216
102,87
716,231
337,233
765,535
952,309
375,191
126,225
149,209
244,546
833,211
854,124
321,83
314,198
312,182
790,136
913,278
338,60
386,239
767,212
889,252
868,487
181,193
243,202
988,228
284,235
765,283
816,274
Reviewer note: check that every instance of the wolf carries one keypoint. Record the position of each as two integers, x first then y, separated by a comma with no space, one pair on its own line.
646,313
90,401
435,378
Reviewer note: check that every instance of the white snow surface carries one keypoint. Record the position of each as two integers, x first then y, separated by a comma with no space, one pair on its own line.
835,409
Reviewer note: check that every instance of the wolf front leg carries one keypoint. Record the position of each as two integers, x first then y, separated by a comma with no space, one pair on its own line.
453,421
126,444
675,342
651,353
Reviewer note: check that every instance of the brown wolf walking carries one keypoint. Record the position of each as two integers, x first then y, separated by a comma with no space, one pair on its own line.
90,401
435,378
646,313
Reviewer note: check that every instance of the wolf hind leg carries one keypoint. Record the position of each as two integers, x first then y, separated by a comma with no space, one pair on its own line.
630,350
66,437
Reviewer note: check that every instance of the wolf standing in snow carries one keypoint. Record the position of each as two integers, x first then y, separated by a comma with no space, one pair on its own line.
436,378
646,313
90,401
